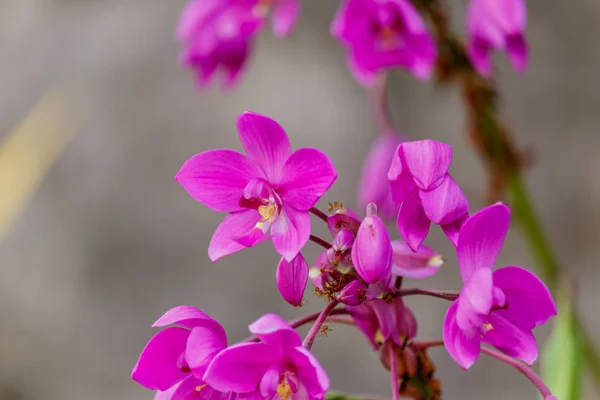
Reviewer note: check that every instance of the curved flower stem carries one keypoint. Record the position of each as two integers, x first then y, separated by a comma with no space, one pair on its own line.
319,241
315,211
519,366
305,320
394,374
312,334
378,105
426,345
522,368
450,295
341,320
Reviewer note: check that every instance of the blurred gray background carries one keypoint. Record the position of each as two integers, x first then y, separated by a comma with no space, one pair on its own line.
110,241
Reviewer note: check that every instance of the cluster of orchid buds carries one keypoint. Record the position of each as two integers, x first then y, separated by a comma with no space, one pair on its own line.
269,194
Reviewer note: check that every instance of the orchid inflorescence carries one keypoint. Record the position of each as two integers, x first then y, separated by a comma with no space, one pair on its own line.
269,194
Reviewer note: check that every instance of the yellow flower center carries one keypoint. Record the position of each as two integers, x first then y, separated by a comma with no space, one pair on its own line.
486,327
284,390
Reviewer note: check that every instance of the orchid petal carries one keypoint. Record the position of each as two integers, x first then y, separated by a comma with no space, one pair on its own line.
413,224
292,278
157,368
366,320
530,303
310,373
285,16
167,394
217,178
204,343
446,203
188,389
511,339
275,331
452,230
428,162
241,367
475,300
266,143
516,48
269,382
234,226
463,347
399,177
187,316
481,239
423,263
373,186
306,176
290,231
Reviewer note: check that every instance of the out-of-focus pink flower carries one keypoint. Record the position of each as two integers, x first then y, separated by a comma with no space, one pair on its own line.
384,34
500,25
382,321
269,189
420,182
291,279
373,186
372,249
353,293
279,365
499,308
219,34
175,359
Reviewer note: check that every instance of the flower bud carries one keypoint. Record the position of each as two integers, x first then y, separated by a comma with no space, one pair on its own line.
353,293
372,250
344,240
291,279
342,217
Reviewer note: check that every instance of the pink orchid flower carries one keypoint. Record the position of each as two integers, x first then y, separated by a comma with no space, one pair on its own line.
499,308
175,359
278,367
272,188
420,182
384,34
496,24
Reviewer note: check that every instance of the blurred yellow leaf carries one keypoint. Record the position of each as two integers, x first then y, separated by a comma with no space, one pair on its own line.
29,151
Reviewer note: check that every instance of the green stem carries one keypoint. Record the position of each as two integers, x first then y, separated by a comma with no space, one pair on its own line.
531,227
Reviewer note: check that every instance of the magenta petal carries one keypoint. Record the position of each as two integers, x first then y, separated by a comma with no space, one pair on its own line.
511,339
291,279
343,218
187,316
481,239
186,390
480,55
310,373
399,177
167,394
372,251
217,178
386,317
366,320
269,382
516,48
290,231
235,225
285,16
266,143
475,300
463,347
423,263
413,224
428,162
373,186
203,344
305,178
157,368
452,230
240,368
446,203
530,303
275,331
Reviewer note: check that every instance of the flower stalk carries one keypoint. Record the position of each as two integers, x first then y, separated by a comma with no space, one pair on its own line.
316,328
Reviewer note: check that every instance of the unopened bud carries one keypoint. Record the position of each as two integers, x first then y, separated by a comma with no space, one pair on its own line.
353,293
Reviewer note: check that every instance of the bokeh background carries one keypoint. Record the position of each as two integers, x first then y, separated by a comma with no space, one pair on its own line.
109,241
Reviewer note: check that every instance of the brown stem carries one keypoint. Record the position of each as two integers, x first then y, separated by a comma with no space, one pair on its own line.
319,241
450,295
315,211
